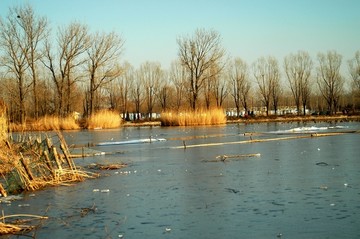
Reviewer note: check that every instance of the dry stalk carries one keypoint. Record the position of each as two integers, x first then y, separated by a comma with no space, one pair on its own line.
40,166
13,228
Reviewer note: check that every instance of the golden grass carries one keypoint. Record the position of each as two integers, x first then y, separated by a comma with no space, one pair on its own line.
188,118
47,123
104,119
20,224
3,124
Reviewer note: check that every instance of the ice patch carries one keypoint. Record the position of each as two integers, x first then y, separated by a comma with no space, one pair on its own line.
135,141
311,129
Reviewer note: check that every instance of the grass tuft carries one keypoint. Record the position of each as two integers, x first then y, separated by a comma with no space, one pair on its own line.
188,118
47,123
104,119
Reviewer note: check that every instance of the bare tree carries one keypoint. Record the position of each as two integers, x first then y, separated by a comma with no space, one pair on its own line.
103,63
65,64
137,94
14,58
329,79
239,84
266,73
150,75
220,90
34,31
198,54
164,91
208,88
276,90
178,78
298,69
354,69
124,86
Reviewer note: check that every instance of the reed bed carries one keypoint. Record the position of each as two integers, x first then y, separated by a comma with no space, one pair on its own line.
30,165
3,129
189,118
104,119
36,163
47,123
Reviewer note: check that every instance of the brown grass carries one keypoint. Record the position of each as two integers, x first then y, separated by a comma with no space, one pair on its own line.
104,119
20,224
47,123
3,123
188,118
37,163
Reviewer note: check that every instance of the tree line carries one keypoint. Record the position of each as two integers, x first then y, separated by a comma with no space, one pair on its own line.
74,69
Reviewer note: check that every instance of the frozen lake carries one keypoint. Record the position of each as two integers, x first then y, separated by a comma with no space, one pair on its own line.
296,188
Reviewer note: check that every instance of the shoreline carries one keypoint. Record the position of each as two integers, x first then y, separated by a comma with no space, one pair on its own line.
249,120
288,119
260,119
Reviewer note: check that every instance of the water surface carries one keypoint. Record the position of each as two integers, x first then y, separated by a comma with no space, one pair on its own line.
297,188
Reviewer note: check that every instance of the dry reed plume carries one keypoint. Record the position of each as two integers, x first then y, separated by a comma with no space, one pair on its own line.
104,119
188,118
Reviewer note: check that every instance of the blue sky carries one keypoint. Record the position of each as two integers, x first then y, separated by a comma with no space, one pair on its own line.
249,29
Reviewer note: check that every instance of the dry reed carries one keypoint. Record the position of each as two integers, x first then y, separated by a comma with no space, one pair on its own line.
35,164
104,119
47,123
19,225
6,228
188,118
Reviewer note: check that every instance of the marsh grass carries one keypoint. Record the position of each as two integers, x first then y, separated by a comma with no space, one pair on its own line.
188,118
47,123
104,119
3,124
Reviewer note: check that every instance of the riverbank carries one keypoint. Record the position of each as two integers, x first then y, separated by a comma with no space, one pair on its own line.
264,119
248,120
313,118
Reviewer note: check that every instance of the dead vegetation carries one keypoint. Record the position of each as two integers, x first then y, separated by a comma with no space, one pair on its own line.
32,164
191,118
20,223
107,166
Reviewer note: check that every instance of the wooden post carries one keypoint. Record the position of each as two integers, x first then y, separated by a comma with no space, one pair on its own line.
48,143
68,160
2,191
184,144
56,157
26,167
48,163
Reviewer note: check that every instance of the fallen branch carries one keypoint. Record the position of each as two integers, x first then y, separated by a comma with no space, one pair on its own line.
222,158
13,228
107,167
239,156
23,215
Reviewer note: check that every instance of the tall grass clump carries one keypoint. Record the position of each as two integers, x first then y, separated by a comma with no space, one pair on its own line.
48,123
188,118
56,123
104,119
3,123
